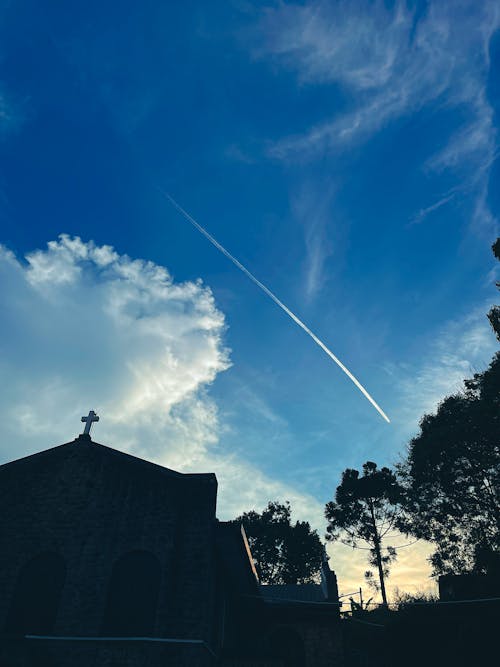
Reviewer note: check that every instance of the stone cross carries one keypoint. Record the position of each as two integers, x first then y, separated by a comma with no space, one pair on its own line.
92,417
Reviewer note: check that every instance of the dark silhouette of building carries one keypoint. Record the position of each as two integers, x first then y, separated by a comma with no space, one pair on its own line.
471,586
110,560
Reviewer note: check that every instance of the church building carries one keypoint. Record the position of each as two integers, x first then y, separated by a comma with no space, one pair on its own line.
109,560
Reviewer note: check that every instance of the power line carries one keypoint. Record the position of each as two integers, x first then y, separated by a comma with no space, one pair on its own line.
433,602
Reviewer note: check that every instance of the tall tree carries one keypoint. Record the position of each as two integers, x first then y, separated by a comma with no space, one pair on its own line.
284,552
452,477
452,473
366,509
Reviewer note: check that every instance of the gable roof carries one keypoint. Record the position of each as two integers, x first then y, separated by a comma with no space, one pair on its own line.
85,443
234,552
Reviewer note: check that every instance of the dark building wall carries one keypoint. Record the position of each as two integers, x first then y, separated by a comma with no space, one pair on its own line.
91,505
319,639
323,645
468,586
291,635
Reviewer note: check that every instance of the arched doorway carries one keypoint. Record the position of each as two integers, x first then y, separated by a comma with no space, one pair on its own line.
286,645
132,596
37,594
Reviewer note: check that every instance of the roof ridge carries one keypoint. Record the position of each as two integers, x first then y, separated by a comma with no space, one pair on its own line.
84,440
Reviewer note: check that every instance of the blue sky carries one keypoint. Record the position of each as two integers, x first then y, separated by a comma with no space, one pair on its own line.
345,152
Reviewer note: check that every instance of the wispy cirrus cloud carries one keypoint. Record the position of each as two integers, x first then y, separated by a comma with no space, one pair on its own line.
12,114
311,208
459,349
475,140
392,61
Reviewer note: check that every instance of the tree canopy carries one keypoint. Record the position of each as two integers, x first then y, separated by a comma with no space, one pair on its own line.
284,552
452,477
366,508
452,473
494,314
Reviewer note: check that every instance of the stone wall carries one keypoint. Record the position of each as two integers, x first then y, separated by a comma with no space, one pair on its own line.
91,505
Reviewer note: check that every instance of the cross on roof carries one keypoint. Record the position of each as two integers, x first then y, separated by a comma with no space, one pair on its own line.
91,417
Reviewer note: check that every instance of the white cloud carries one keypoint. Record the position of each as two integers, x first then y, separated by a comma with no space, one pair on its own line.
84,327
390,61
327,43
483,219
475,141
311,208
460,349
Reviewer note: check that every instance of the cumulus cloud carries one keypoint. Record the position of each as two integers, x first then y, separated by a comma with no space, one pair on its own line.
84,327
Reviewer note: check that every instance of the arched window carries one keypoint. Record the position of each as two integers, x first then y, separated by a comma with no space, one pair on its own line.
287,646
132,596
37,593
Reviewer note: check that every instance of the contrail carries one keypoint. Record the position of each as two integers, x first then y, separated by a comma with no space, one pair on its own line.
277,302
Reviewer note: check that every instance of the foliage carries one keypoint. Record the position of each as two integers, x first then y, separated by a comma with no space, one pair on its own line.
358,607
494,314
366,508
452,478
452,473
402,599
284,552
494,318
496,248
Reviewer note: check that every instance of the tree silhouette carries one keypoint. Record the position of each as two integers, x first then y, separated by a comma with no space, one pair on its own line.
496,248
452,473
494,314
366,509
284,552
452,478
